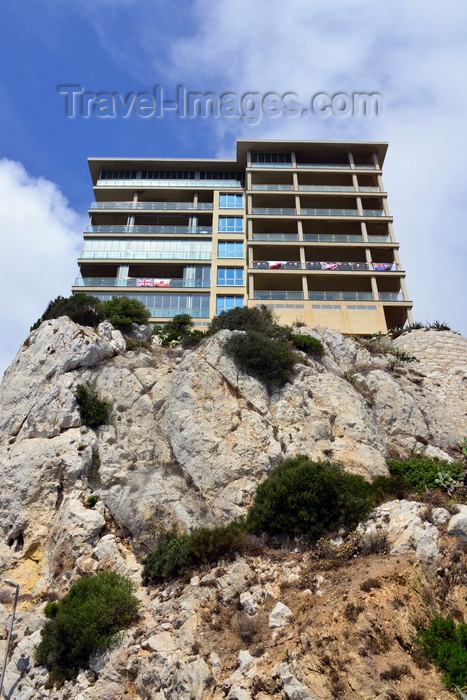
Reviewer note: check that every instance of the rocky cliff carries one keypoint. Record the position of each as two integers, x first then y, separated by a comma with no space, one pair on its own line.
188,441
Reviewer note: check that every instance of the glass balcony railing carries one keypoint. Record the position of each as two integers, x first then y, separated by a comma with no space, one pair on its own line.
149,229
365,167
169,313
391,296
263,295
332,238
374,212
323,265
369,189
275,211
276,237
272,187
271,165
324,166
326,188
166,206
218,184
340,296
329,212
144,255
139,282
379,239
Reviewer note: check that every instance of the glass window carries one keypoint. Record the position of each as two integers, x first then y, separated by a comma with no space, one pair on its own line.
230,249
231,201
227,302
232,276
231,223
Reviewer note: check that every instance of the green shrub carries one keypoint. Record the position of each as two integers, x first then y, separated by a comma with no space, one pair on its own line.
445,644
87,620
134,344
179,330
80,308
269,360
422,473
179,555
395,487
123,311
246,318
309,499
92,410
308,344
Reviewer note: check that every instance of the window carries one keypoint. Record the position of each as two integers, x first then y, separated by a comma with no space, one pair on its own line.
231,223
227,302
271,158
231,201
232,276
230,249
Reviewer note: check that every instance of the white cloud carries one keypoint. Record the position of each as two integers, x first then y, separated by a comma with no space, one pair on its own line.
41,238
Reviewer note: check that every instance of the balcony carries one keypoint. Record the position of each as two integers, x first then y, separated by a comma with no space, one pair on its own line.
271,165
265,296
324,166
379,239
276,237
326,188
332,238
166,206
391,296
149,229
275,211
340,296
369,189
321,265
140,282
273,187
374,212
193,184
329,212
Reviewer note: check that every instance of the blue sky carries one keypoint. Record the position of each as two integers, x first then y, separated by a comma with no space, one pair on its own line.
412,54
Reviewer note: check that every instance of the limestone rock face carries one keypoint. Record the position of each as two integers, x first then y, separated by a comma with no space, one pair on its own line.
188,440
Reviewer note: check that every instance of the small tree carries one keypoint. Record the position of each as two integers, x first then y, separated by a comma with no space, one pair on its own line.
246,318
269,360
309,499
80,308
93,411
123,311
87,620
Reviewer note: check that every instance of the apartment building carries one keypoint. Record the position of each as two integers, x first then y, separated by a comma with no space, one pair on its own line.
302,227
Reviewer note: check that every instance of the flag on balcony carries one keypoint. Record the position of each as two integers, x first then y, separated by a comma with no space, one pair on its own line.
162,282
329,265
143,282
276,264
382,267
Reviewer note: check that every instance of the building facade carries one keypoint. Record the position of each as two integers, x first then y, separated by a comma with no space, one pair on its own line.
302,227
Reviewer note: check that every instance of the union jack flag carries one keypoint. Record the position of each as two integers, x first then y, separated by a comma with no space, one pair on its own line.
329,265
144,282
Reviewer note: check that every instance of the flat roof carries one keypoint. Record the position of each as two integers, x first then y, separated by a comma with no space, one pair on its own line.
326,148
